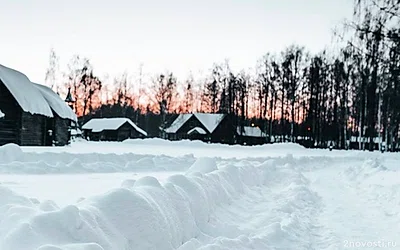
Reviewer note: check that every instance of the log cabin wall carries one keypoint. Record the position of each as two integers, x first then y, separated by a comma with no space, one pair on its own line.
61,131
225,132
25,129
32,130
126,131
10,125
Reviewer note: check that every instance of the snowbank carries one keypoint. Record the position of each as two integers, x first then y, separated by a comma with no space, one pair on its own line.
14,161
182,213
203,165
198,149
9,153
368,168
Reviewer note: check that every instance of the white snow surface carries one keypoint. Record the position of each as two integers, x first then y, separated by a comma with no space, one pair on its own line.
28,97
278,197
251,131
100,124
203,165
1,114
198,130
56,103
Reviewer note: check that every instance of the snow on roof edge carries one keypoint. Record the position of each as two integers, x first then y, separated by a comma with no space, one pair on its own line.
29,99
198,129
56,103
178,123
210,120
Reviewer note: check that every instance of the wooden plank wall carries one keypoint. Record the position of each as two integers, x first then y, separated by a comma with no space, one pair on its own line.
32,130
61,135
10,124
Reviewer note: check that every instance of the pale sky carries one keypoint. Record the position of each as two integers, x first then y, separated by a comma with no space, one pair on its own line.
175,35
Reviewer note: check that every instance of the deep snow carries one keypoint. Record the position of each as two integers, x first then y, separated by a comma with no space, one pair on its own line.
268,197
197,149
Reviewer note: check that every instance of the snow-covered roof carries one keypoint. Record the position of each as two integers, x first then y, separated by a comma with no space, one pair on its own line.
28,97
56,103
178,123
99,124
209,121
251,132
198,130
1,114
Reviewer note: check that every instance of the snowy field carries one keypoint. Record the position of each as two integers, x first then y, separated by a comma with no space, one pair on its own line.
155,194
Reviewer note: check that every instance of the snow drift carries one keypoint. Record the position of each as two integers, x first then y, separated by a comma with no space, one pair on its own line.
14,161
182,213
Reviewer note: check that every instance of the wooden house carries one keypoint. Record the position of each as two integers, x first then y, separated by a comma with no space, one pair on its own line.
32,115
247,135
59,125
112,129
216,128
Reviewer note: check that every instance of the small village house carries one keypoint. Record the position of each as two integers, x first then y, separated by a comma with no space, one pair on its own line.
112,129
202,126
58,124
250,135
32,114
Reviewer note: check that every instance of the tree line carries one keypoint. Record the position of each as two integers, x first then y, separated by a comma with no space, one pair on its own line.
347,97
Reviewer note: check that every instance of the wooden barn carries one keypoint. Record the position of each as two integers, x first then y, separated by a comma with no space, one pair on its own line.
247,135
112,129
33,115
216,128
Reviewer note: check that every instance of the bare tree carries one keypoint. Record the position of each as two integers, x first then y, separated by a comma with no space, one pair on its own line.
52,70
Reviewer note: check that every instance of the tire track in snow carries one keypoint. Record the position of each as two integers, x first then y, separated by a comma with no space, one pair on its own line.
279,214
355,210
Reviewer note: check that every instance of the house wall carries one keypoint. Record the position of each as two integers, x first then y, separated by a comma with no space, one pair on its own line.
61,133
126,131
225,132
26,129
10,124
32,130
249,140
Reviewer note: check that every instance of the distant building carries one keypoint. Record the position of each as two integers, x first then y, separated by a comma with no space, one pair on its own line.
76,133
112,129
250,135
33,115
202,126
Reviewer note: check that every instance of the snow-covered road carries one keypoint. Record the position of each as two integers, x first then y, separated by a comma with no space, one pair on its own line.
310,199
